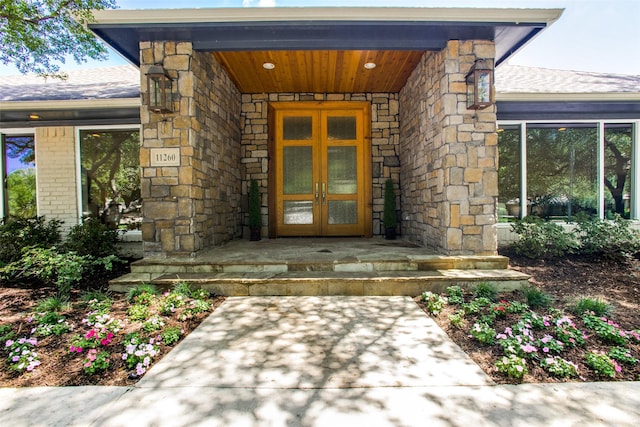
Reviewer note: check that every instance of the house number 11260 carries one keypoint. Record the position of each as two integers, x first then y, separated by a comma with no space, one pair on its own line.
165,157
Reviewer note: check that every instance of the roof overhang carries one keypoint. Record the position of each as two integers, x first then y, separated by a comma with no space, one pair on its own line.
251,29
71,112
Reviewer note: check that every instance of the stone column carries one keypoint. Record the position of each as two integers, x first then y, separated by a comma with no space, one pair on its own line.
449,155
194,205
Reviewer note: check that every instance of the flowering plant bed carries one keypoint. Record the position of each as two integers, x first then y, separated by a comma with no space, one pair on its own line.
95,339
550,332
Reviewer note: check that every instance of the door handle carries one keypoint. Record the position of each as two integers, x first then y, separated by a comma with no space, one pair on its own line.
324,194
317,194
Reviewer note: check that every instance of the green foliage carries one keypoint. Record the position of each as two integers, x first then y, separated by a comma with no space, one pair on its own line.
535,297
435,303
50,323
517,307
597,306
610,239
512,365
6,333
92,238
255,205
37,35
182,288
606,329
171,335
48,267
486,290
19,233
138,312
602,364
623,355
389,218
53,304
457,319
171,302
200,294
141,289
483,332
559,367
95,362
154,323
95,295
542,239
455,295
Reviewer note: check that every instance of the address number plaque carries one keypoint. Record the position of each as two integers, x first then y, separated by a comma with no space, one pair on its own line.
165,157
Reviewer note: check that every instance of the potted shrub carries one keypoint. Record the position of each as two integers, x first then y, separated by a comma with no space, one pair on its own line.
389,218
255,217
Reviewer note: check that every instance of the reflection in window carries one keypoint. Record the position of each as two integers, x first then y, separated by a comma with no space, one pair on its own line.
509,173
562,164
617,170
19,158
110,174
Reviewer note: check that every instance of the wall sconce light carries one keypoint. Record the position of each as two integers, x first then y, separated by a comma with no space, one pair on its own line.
479,86
160,95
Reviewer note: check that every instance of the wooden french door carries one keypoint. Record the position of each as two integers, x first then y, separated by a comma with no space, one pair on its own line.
322,169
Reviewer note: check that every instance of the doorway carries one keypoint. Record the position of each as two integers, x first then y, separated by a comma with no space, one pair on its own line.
320,174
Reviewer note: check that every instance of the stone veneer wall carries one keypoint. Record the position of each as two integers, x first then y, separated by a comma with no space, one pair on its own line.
196,205
449,155
385,133
57,183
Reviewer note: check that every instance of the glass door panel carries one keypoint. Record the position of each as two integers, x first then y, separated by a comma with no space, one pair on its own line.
343,167
298,170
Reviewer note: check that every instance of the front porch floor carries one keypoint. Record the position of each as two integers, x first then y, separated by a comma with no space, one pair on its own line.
321,266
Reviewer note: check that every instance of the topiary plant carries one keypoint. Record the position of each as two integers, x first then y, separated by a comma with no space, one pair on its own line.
389,215
255,205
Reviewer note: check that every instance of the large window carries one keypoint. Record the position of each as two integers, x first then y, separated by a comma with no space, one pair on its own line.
617,169
570,168
110,173
19,175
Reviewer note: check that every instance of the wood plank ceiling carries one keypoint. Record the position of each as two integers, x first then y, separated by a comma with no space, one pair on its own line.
319,71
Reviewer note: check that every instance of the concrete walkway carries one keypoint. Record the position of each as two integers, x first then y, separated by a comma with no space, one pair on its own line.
321,361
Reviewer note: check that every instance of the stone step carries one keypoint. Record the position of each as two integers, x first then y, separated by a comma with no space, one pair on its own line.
346,264
316,283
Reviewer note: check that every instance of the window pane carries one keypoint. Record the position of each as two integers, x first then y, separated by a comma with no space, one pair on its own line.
341,127
19,157
297,170
297,128
562,164
342,170
111,176
509,173
298,212
343,212
617,170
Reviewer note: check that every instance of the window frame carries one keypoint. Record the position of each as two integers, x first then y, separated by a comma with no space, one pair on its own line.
78,131
4,200
600,125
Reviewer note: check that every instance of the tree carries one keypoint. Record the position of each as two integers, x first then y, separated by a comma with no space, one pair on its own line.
22,193
38,35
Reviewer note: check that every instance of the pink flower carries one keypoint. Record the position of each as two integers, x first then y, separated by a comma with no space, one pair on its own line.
88,364
72,349
545,349
528,348
91,333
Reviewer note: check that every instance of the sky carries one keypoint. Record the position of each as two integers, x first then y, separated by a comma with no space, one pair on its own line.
591,35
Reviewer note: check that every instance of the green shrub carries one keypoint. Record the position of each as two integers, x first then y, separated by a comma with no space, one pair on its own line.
18,234
141,289
182,288
47,267
171,335
483,332
53,304
435,303
457,319
92,238
602,364
610,239
486,290
542,239
6,333
512,365
455,294
535,297
138,312
596,305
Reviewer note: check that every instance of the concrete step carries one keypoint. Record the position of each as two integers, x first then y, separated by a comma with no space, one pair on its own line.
315,283
369,263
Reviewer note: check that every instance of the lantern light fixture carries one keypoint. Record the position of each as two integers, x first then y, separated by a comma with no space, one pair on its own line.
159,89
479,86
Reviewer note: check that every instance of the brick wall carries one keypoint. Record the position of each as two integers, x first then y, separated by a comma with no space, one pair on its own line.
449,155
197,204
385,132
56,174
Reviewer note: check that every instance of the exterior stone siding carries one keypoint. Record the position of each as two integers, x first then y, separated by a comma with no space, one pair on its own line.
385,134
197,204
56,177
449,155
